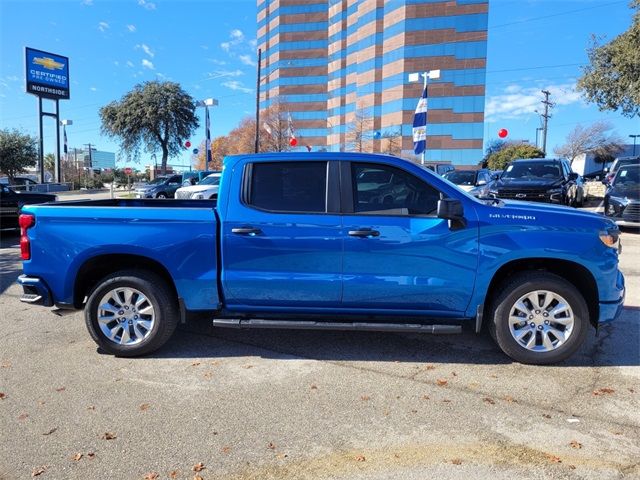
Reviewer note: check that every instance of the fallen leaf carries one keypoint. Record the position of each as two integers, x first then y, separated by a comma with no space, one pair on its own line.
281,455
151,476
76,457
91,455
425,397
360,458
510,399
173,474
225,450
572,467
364,398
631,390
456,461
23,416
247,366
5,365
446,400
454,374
195,364
198,467
488,400
109,436
553,458
38,471
314,387
2,396
414,411
546,415
603,391
50,431
575,444
386,413
271,446
208,374
91,407
60,389
429,367
144,407
441,382
41,402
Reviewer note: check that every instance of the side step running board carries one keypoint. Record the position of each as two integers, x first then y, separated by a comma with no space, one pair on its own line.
359,326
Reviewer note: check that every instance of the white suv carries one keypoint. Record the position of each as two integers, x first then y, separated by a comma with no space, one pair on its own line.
206,189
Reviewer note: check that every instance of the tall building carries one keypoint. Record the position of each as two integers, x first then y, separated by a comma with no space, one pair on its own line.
340,67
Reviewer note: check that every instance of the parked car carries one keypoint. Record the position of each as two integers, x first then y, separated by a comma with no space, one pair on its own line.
439,168
19,184
297,242
11,202
160,187
540,180
195,177
622,198
617,163
207,188
476,182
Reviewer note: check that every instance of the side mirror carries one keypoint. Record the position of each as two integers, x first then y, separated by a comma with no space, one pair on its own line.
573,176
451,209
481,183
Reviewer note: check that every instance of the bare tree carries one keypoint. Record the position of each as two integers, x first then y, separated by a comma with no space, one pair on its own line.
392,142
592,139
358,133
275,129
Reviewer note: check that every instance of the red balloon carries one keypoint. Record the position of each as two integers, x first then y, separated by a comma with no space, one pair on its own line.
293,142
187,144
503,132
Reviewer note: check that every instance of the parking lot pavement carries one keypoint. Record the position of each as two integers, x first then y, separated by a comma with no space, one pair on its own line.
312,405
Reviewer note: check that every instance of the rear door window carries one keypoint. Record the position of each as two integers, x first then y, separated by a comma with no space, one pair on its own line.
288,187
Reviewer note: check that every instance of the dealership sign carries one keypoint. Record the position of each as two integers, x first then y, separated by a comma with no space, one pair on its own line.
47,74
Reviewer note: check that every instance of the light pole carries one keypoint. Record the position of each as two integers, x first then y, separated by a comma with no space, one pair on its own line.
64,124
539,129
422,106
206,103
634,143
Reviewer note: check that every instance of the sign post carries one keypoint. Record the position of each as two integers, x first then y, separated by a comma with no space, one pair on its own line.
47,76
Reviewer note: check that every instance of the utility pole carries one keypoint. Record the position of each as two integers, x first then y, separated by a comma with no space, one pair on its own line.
545,119
257,139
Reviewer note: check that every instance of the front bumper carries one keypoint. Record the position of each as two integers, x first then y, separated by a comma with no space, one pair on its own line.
624,214
610,311
35,291
143,194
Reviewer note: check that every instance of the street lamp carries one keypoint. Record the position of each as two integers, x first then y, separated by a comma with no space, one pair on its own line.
64,124
206,103
634,143
415,77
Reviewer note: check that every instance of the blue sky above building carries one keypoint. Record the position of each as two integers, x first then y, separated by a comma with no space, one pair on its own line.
209,48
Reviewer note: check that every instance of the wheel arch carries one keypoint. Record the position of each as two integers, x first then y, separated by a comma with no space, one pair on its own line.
573,272
98,267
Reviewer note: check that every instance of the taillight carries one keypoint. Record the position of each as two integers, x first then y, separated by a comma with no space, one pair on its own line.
25,221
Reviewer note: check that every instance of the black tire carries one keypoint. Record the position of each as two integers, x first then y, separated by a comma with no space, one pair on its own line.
213,197
160,296
521,284
162,195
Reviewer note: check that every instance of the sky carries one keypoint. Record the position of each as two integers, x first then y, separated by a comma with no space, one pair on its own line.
209,47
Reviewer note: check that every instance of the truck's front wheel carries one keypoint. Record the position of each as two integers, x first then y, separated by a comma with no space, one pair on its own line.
539,318
131,313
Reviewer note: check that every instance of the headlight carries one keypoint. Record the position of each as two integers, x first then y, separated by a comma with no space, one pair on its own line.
610,237
198,196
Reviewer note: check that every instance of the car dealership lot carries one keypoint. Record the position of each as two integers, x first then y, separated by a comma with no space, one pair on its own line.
300,404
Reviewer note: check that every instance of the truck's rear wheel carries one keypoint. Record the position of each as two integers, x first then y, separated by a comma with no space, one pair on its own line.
539,318
131,313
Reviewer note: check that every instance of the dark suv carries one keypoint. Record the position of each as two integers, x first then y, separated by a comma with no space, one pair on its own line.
539,180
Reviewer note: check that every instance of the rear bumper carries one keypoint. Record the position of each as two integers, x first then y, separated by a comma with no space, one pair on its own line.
35,291
610,311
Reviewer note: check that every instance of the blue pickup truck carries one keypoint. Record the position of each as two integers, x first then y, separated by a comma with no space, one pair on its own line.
327,241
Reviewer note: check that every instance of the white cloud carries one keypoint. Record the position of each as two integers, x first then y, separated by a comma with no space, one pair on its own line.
87,3
147,64
253,43
236,85
224,73
236,37
146,49
93,89
129,63
131,28
225,46
103,26
518,101
147,5
247,60
237,34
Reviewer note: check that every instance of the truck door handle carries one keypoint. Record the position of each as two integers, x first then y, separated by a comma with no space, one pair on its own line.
246,231
365,233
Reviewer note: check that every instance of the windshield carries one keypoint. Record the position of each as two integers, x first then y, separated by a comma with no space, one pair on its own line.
627,176
461,177
210,180
158,180
530,170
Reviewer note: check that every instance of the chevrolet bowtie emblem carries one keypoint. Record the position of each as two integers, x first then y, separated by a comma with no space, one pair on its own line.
521,195
48,63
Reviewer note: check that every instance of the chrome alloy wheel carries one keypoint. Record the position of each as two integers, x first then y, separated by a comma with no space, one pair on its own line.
126,316
541,321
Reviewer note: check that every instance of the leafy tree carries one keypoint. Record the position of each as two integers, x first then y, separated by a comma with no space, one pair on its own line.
494,146
154,115
50,163
611,78
17,152
218,152
498,160
592,139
